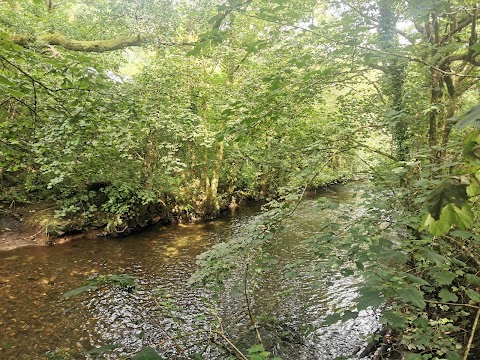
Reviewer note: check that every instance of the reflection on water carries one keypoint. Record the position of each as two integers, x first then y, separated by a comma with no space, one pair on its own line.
35,319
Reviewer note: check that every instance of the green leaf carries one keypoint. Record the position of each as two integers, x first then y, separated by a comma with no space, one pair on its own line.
331,319
453,355
416,280
436,228
394,256
457,262
442,277
463,217
476,48
394,318
347,315
147,353
473,279
412,295
79,290
462,234
470,149
472,294
412,356
5,81
471,117
369,297
451,215
12,92
448,192
434,257
101,349
447,296
255,349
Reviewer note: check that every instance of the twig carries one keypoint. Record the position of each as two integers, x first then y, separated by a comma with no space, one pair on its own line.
467,251
310,181
237,351
453,304
48,89
249,309
472,335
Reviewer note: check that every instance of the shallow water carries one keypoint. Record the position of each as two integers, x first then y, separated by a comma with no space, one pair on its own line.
36,320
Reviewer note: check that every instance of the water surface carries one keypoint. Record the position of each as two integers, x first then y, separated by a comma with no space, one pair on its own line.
36,320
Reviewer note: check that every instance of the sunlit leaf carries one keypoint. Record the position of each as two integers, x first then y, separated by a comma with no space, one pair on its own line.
448,192
256,349
476,48
12,92
451,215
5,81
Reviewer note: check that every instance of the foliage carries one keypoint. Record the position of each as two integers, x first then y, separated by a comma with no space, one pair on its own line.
261,99
59,354
123,281
147,353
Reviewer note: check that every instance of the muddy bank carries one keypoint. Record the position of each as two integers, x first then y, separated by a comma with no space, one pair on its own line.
31,225
36,224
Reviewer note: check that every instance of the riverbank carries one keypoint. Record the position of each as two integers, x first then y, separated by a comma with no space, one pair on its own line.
38,225
29,225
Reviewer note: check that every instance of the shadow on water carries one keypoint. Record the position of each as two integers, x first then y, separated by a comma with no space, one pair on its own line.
35,319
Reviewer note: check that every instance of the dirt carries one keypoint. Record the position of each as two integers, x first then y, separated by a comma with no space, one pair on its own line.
28,225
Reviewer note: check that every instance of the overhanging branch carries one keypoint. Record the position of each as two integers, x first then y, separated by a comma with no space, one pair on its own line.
91,45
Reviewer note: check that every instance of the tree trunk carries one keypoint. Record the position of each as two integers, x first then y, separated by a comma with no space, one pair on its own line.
447,125
395,78
212,203
436,98
150,160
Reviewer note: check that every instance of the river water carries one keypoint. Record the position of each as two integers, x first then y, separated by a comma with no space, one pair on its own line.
36,322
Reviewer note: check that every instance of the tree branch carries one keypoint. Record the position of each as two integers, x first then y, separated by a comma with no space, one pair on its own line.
90,45
221,16
404,34
376,151
367,48
460,26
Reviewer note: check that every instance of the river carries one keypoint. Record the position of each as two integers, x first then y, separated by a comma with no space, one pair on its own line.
37,322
